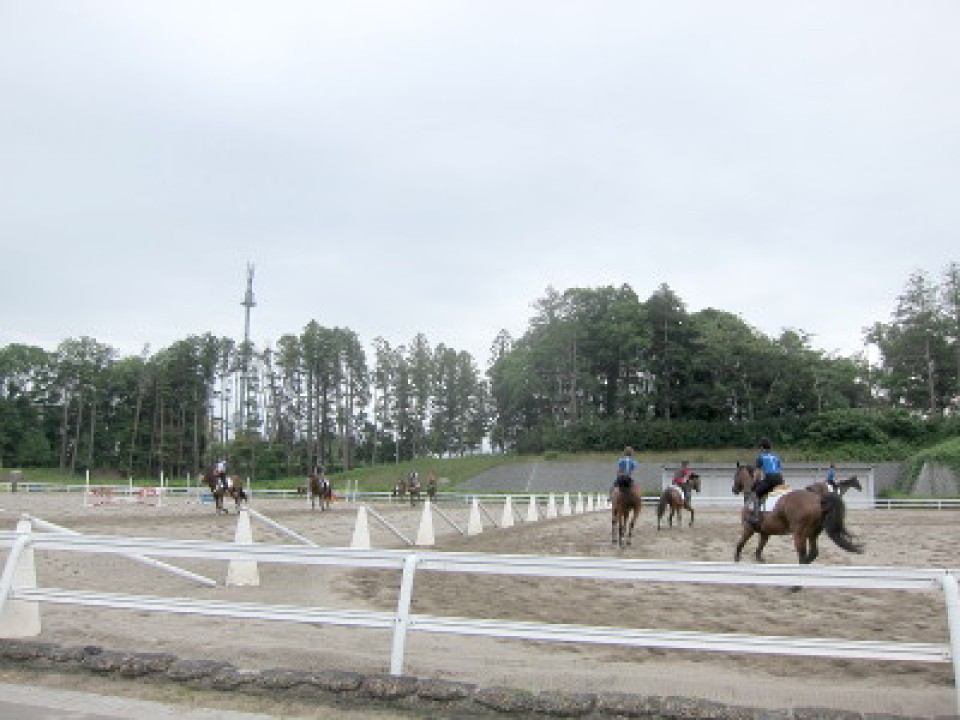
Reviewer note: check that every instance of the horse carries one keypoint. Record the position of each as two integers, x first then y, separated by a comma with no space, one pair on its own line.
432,487
841,487
414,491
802,513
322,490
626,507
234,489
678,498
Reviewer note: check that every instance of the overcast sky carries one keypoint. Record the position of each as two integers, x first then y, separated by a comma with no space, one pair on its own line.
399,167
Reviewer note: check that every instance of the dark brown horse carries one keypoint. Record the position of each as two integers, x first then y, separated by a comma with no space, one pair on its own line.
678,497
626,508
842,486
801,513
320,490
234,489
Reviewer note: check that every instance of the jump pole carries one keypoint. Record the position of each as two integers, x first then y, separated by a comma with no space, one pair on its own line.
483,509
280,528
449,522
380,519
139,558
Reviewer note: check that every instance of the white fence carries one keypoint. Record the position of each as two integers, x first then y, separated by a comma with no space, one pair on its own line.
402,621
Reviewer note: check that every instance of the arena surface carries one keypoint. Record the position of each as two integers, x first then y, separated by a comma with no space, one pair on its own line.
893,538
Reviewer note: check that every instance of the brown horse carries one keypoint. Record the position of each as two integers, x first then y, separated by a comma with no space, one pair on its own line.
320,490
678,497
234,489
626,508
802,513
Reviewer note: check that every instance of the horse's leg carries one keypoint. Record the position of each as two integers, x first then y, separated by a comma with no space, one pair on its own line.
814,551
613,527
690,508
745,535
761,544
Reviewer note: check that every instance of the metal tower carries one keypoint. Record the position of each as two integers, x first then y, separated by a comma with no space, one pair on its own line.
247,383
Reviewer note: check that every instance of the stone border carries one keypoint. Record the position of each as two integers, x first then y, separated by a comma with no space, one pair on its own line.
436,698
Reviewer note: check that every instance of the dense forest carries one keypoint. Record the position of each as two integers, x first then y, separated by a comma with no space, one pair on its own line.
597,368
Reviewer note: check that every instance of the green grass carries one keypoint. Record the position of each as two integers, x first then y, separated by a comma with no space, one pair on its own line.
455,471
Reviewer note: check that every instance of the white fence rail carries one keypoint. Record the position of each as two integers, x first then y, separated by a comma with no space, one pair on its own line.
408,563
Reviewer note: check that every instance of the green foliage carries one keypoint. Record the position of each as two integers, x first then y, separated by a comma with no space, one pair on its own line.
845,426
945,453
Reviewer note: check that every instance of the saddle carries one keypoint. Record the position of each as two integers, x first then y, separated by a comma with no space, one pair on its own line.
775,494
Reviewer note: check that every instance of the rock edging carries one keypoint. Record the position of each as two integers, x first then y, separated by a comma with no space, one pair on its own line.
438,698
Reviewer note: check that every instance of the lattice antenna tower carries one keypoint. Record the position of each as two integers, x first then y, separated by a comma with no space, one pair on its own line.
247,382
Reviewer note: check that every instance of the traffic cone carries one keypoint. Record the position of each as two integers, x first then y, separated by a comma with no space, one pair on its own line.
475,525
506,520
243,572
361,531
425,534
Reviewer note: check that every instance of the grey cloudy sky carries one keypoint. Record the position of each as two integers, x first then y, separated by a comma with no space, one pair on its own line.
396,167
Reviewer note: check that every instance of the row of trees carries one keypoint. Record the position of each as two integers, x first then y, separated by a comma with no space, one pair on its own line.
596,368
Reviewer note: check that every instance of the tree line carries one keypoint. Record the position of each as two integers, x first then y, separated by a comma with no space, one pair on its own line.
596,369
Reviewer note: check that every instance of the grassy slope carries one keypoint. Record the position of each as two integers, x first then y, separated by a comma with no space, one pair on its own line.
455,470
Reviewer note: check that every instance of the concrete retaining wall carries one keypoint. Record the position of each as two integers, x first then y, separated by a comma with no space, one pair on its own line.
419,697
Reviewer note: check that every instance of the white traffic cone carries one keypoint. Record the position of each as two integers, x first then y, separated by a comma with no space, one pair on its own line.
243,572
21,618
532,514
475,525
361,530
425,534
506,519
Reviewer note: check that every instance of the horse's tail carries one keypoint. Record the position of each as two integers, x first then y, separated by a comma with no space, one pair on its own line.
833,523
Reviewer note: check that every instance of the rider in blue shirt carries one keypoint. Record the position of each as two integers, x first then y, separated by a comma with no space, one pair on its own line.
626,466
769,465
832,477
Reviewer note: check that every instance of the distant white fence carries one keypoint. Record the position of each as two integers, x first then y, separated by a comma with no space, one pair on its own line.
402,621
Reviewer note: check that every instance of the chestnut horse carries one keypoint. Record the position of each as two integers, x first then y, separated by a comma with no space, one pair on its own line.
320,489
626,508
802,513
234,489
678,497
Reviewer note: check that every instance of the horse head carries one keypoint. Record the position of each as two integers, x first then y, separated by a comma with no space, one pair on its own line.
694,481
854,483
742,479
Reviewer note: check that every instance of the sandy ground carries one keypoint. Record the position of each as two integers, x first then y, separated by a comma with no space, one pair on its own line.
893,538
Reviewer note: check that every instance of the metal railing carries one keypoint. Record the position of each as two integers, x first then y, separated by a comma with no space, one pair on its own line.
402,621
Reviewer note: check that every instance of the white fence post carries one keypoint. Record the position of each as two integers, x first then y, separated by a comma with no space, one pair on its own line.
952,598
403,615
19,618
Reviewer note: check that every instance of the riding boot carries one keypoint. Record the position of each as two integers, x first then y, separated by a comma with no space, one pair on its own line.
754,517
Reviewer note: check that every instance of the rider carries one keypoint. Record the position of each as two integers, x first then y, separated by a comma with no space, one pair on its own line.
682,477
769,465
220,472
626,466
832,477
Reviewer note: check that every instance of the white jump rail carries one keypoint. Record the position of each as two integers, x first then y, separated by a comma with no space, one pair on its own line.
408,563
